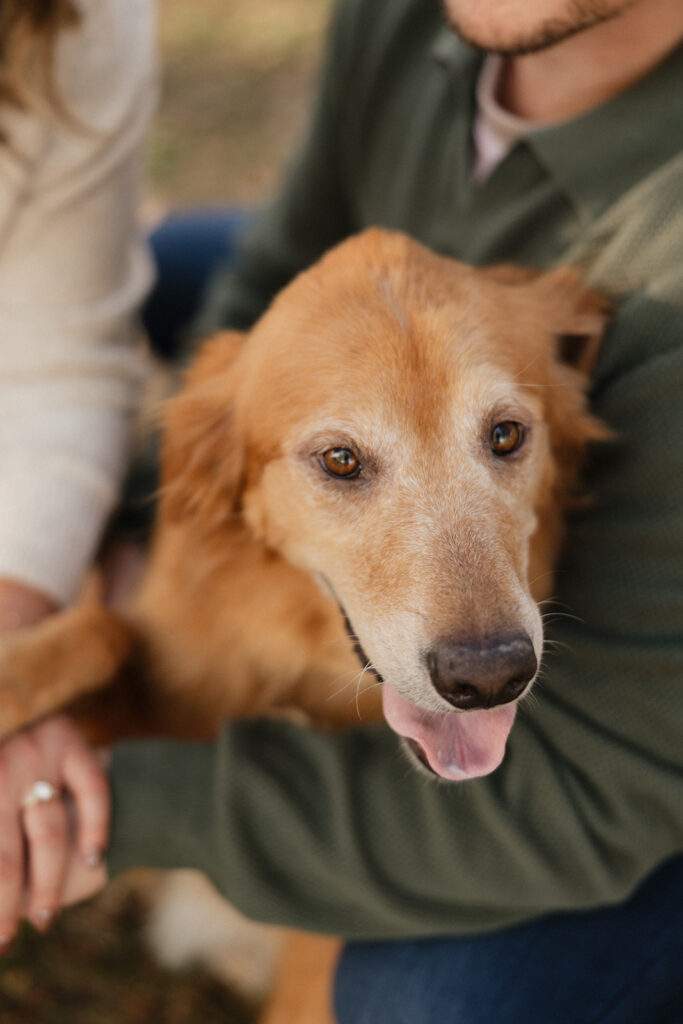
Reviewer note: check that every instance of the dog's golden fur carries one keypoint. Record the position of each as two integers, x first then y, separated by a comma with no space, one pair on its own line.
408,358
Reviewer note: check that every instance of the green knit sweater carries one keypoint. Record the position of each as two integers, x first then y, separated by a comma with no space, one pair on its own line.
335,833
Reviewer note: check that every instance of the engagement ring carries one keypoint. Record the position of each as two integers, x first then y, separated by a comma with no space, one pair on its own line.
41,792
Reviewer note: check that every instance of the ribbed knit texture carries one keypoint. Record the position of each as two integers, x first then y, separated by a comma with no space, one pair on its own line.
73,271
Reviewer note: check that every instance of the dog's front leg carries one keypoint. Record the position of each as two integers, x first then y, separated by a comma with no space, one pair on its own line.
69,655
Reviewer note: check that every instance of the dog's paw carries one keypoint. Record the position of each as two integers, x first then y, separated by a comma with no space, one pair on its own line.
190,923
17,684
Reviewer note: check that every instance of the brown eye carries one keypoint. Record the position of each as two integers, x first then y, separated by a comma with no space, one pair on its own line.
506,437
341,462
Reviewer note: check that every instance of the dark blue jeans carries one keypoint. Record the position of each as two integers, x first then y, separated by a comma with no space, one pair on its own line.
188,248
617,965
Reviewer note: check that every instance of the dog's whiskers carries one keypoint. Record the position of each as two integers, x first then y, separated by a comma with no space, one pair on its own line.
550,646
341,640
542,576
555,601
355,681
559,384
367,689
525,368
554,615
345,686
529,699
358,685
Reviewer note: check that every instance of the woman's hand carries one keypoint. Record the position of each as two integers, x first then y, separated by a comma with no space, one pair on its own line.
53,832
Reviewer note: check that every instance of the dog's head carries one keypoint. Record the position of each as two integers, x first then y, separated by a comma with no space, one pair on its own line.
409,430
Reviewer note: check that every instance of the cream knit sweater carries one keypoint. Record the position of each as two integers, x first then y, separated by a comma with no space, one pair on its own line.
73,271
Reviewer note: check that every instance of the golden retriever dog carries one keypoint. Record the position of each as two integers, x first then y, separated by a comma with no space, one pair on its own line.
379,470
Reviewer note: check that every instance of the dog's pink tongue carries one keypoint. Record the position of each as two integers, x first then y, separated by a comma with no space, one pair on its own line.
457,744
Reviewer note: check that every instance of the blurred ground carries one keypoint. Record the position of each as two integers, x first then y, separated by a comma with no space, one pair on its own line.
237,78
237,81
93,968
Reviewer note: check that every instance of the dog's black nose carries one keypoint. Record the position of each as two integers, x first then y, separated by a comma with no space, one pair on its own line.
481,674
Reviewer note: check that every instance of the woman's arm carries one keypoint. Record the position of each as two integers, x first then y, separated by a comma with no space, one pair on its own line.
73,272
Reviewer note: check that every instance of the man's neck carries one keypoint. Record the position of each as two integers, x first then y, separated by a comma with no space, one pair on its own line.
588,69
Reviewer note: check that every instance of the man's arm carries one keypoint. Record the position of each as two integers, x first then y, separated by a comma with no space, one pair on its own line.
338,834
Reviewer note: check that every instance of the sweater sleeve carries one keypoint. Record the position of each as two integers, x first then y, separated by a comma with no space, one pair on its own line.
73,271
337,833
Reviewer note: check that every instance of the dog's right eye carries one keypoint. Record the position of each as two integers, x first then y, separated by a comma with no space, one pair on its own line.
506,437
341,462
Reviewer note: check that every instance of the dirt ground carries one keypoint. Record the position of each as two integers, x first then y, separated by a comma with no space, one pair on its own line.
94,968
237,79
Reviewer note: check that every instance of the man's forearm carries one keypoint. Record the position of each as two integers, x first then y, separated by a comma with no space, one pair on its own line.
338,834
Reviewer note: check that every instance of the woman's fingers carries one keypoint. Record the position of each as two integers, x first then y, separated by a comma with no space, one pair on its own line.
86,781
19,764
11,877
54,801
82,882
47,838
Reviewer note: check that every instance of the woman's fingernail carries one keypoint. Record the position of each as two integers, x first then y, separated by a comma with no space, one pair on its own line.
42,919
93,858
5,943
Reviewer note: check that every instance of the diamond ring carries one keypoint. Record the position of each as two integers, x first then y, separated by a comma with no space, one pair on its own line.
41,792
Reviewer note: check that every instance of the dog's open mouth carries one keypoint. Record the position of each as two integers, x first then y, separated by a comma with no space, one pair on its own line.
456,745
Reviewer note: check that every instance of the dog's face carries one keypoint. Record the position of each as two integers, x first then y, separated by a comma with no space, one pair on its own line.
402,427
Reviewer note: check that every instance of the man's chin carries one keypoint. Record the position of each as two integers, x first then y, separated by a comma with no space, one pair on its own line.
503,29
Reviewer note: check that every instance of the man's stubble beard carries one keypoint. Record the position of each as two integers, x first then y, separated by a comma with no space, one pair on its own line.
581,15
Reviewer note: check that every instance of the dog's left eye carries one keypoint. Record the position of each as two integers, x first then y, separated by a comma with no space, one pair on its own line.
506,437
341,462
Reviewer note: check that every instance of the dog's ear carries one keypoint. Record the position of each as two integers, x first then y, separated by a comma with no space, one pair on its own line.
202,454
579,317
576,317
